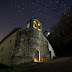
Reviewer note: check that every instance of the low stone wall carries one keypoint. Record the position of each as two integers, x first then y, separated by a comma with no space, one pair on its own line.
7,49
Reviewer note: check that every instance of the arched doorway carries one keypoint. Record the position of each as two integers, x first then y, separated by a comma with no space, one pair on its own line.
37,56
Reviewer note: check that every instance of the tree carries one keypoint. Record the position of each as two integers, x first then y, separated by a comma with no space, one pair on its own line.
62,34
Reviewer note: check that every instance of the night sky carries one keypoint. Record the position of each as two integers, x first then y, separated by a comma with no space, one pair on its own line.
16,13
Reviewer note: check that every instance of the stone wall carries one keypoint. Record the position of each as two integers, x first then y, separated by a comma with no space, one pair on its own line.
30,40
7,49
20,47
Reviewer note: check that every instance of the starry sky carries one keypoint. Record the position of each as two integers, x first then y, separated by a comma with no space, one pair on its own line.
16,13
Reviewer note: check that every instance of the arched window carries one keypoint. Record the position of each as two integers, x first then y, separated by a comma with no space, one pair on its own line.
35,24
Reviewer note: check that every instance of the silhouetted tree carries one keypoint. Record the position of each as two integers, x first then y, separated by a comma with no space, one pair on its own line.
61,37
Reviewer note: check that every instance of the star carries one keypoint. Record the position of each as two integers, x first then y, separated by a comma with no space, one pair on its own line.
54,8
51,8
19,11
46,8
23,8
32,11
32,3
22,24
22,14
23,3
40,13
62,2
18,6
32,16
57,2
64,13
8,25
38,9
67,7
38,4
60,6
28,12
68,2
68,15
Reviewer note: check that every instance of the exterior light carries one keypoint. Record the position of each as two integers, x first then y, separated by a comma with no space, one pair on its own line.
48,33
35,24
39,27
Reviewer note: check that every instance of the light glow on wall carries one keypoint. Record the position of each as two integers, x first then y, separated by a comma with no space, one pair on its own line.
36,59
39,27
35,24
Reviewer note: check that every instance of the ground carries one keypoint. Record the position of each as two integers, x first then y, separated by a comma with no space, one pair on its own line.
56,65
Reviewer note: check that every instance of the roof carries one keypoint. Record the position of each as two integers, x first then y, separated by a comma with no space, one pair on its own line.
14,30
33,20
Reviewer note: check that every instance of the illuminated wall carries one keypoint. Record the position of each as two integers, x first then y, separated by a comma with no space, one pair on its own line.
34,23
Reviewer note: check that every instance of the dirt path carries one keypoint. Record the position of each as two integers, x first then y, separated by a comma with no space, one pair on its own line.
57,65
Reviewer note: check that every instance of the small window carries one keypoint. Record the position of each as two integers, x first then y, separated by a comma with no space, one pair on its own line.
10,41
2,49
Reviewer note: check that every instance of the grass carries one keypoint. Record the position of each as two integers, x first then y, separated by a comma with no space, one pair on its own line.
26,67
18,68
31,66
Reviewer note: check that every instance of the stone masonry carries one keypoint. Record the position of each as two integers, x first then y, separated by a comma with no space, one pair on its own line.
20,45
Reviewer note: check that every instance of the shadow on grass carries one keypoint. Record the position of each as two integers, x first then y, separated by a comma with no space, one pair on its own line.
3,66
15,68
